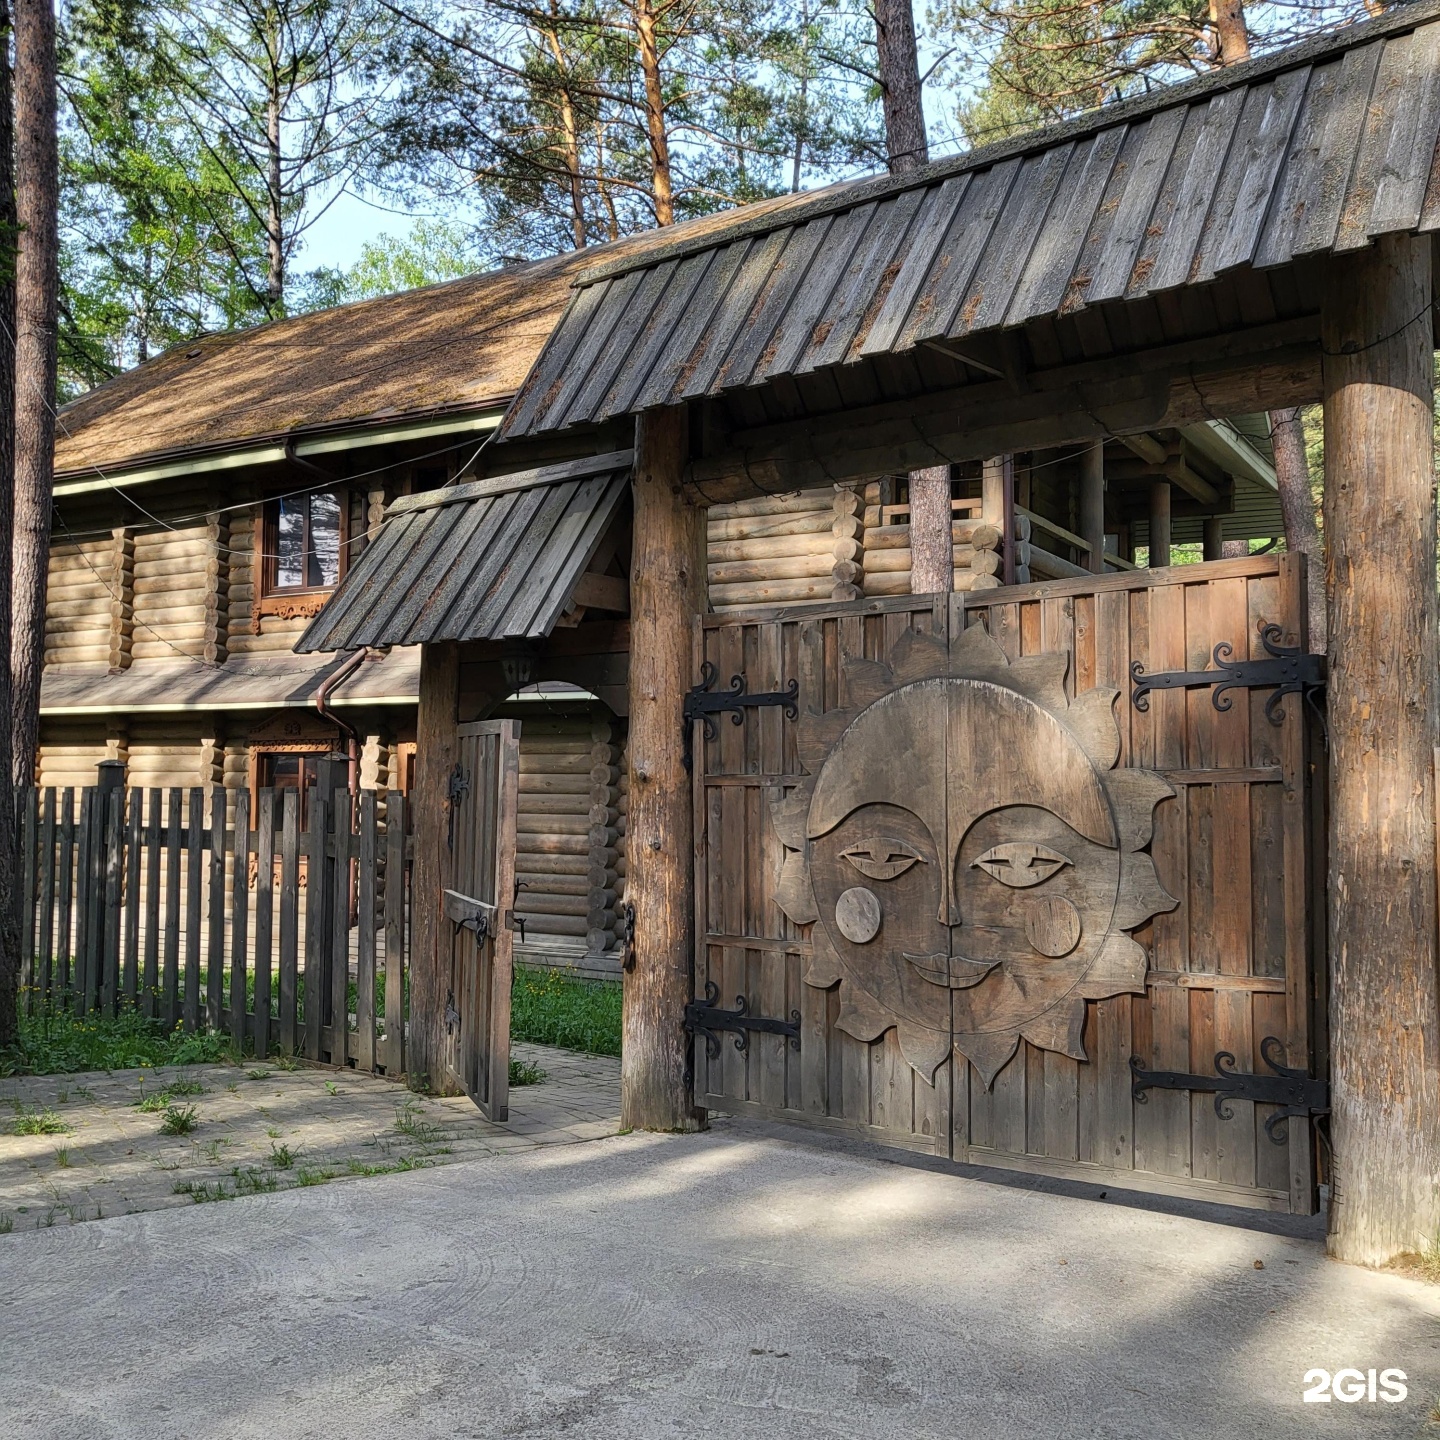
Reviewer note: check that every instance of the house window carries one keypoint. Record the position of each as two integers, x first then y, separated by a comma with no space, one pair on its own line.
283,770
304,542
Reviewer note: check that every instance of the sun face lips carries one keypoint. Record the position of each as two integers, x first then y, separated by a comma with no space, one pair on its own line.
954,972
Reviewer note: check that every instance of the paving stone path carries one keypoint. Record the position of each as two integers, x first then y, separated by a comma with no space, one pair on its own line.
260,1128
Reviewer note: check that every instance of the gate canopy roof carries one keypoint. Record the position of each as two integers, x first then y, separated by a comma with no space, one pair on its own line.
492,560
1320,148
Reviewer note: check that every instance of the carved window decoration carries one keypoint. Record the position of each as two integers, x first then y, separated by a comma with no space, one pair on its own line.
968,854
298,769
302,553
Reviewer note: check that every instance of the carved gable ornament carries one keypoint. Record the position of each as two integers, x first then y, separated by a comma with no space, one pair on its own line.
968,853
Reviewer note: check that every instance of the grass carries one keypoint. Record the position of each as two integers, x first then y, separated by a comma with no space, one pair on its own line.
525,1072
179,1120
548,1007
62,1157
1421,1264
160,1100
408,1122
282,1157
29,1121
63,1044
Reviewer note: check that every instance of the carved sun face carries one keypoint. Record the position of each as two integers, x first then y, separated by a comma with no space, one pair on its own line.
968,855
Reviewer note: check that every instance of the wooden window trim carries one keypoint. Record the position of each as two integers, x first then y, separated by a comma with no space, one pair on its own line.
300,601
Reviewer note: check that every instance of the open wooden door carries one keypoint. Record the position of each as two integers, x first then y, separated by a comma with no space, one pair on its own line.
485,790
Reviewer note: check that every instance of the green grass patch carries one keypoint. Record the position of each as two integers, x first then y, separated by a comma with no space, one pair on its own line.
63,1044
524,1072
29,1121
179,1120
548,1007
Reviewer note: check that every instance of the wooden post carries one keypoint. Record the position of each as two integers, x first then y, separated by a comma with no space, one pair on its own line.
1380,571
1159,524
1214,537
435,751
997,505
1092,505
667,588
932,563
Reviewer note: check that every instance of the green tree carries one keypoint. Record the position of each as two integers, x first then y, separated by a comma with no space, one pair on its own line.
434,250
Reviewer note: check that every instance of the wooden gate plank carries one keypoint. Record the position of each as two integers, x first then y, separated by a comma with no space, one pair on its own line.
194,879
365,950
170,960
150,977
240,923
289,922
215,950
318,895
338,950
264,915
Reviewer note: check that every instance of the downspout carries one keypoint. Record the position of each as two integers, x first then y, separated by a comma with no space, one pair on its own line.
352,736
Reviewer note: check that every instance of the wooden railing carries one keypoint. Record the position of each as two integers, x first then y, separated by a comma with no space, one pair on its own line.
206,911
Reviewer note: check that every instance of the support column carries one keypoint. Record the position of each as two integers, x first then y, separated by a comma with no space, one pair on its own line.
1092,505
997,506
667,589
932,555
436,747
1159,524
1380,572
1214,535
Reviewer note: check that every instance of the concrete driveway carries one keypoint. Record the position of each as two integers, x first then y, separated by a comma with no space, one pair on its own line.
731,1284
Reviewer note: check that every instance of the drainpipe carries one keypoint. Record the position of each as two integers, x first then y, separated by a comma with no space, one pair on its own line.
352,736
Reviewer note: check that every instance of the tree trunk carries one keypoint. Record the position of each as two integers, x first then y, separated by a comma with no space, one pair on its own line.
667,588
932,557
274,213
1232,39
436,748
1297,505
1380,542
36,282
570,128
905,140
9,829
648,43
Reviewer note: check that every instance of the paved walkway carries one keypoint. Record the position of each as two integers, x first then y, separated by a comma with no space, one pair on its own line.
729,1285
260,1129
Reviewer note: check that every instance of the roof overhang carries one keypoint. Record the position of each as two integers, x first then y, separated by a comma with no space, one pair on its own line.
496,559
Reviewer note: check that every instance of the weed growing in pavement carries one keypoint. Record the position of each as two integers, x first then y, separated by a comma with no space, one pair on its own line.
408,1122
282,1157
62,1158
525,1072
179,1120
29,1121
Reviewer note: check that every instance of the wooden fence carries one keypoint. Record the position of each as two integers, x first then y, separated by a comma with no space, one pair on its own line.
220,911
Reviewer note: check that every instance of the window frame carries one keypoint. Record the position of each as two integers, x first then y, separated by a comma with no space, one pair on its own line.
295,600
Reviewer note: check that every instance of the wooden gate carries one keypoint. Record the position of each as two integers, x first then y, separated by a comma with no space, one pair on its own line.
1230,940
485,792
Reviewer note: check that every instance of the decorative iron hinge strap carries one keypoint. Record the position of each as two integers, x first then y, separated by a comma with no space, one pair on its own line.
1288,670
1294,1091
704,702
708,1019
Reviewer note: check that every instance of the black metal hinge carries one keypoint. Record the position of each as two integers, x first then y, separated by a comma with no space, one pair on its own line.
456,789
1294,1091
708,1019
1288,670
704,702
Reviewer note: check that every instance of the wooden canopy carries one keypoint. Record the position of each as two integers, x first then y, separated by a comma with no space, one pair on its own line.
1184,220
492,560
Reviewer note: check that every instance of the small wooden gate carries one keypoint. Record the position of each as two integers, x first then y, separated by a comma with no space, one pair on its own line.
1233,960
484,793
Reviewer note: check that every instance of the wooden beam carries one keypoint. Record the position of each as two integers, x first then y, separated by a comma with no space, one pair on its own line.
1214,537
1169,386
1092,505
932,570
602,592
1380,562
667,589
1159,524
435,753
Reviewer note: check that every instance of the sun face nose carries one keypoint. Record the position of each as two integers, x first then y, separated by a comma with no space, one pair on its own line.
949,915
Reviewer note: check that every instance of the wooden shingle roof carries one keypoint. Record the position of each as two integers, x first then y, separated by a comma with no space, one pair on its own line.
1318,149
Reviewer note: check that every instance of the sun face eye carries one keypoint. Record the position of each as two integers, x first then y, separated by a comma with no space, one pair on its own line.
1020,864
882,857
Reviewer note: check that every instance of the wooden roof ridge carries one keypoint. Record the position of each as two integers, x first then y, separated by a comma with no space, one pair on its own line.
763,217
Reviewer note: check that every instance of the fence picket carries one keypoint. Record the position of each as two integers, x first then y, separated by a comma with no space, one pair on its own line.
239,921
194,880
289,918
339,951
170,1002
215,950
113,895
44,979
66,886
130,955
317,924
365,939
150,976
264,915
392,1052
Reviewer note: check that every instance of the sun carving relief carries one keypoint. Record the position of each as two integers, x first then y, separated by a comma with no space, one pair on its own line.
968,854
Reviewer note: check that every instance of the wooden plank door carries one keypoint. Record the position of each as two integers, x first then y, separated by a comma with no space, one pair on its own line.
487,782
